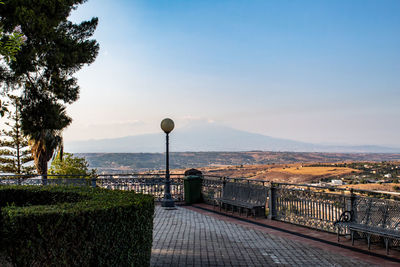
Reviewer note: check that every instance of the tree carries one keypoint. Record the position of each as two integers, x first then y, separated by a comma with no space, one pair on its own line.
55,49
15,154
10,44
69,165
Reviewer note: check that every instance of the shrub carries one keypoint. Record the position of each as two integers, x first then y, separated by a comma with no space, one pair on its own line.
70,164
75,226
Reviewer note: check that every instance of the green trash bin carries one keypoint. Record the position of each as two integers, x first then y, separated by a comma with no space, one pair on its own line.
192,189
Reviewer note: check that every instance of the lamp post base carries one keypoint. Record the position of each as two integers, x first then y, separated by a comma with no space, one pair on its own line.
168,203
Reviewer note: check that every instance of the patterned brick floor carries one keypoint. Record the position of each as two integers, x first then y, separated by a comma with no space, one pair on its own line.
183,237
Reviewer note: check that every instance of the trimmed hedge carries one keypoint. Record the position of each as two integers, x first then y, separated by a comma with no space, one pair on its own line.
75,226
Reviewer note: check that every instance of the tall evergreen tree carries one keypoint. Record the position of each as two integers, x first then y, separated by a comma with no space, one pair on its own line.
55,49
15,154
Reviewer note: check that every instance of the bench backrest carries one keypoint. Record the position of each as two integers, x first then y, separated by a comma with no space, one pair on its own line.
243,192
229,191
258,195
393,215
377,212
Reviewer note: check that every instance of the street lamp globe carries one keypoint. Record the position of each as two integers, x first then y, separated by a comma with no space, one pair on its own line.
167,125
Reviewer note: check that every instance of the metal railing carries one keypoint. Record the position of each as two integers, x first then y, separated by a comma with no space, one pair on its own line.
313,206
153,184
145,183
307,206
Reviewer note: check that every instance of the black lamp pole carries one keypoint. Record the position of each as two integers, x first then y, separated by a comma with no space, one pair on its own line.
167,125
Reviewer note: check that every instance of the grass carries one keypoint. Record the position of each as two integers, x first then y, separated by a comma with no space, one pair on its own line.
331,171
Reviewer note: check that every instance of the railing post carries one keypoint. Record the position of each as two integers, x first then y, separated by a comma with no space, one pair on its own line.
352,203
44,179
223,186
272,202
192,186
94,181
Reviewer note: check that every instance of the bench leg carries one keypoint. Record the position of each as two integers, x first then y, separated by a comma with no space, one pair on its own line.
369,241
387,241
338,234
352,237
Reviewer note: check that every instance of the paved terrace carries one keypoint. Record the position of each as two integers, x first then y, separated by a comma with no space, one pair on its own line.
193,236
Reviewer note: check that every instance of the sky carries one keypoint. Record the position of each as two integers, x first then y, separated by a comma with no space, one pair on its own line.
314,71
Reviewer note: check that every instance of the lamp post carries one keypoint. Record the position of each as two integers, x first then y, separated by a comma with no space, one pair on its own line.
167,125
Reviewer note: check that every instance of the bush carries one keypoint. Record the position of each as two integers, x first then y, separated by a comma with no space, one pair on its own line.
75,226
70,164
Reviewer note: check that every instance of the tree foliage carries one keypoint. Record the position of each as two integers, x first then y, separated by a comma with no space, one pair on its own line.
55,49
10,42
69,165
15,154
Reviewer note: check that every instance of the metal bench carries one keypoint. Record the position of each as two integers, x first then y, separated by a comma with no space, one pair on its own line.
243,196
371,217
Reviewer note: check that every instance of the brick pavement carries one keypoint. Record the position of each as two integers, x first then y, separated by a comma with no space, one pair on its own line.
183,237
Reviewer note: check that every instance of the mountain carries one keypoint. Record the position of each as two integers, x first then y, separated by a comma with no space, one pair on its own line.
140,162
211,137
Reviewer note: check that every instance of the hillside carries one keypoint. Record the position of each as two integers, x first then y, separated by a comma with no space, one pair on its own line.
137,162
289,173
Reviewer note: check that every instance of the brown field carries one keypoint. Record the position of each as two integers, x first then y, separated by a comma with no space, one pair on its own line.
305,170
288,173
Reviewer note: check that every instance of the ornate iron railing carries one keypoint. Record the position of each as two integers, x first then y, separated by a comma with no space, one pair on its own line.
308,205
212,188
311,207
141,183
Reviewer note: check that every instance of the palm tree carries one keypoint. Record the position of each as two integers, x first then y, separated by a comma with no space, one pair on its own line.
43,145
43,121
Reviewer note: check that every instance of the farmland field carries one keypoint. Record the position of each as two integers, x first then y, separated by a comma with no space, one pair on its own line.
290,173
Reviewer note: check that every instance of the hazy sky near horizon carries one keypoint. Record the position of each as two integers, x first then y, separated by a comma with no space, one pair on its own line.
314,71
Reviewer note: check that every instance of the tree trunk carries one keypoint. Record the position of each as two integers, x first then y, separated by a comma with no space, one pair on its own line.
41,162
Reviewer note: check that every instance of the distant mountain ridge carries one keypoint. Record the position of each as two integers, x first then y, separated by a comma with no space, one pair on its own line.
138,162
211,137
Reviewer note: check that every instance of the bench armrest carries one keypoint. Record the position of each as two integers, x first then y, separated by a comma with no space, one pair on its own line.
397,226
346,216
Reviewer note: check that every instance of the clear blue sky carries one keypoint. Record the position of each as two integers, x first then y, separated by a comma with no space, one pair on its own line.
315,71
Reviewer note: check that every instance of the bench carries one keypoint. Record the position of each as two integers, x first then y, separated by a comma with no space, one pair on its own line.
371,217
251,198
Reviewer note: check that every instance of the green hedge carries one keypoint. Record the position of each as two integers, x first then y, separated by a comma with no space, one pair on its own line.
75,226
